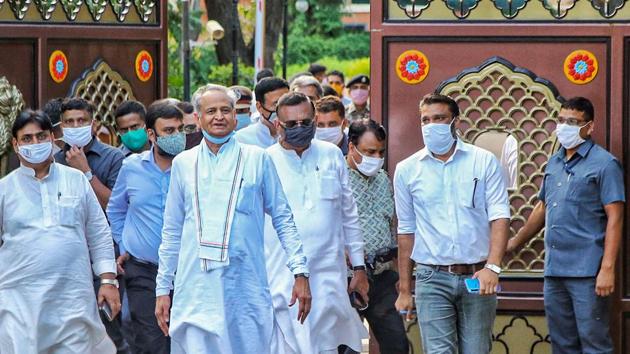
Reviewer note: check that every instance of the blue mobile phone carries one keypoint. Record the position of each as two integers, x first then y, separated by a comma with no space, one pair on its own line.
472,285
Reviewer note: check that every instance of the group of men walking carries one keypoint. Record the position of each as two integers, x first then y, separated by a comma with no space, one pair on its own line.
234,237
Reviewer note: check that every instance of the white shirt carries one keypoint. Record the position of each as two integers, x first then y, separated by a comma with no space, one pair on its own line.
52,231
256,134
448,205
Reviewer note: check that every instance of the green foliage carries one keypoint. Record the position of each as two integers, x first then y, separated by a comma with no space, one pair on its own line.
319,33
349,68
349,45
222,75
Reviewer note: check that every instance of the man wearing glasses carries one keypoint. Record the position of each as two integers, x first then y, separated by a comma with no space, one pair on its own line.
52,232
135,212
581,204
453,217
314,178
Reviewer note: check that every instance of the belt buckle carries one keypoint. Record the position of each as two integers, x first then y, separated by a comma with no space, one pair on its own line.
449,270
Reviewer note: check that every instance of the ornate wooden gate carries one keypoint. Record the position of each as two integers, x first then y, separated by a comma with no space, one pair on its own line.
105,51
509,63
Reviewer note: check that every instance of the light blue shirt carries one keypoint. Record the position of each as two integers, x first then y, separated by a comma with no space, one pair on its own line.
136,206
448,206
228,309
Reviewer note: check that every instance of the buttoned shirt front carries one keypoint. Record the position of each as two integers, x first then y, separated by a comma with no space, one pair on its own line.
375,203
448,206
136,206
352,113
575,193
103,159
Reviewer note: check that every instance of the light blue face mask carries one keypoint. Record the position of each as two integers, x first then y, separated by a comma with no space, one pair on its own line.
438,137
172,144
217,140
242,120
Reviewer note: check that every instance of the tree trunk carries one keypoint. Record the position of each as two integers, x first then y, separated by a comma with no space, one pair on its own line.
273,30
221,11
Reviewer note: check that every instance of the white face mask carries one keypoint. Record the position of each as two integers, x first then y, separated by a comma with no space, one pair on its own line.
36,153
569,135
332,135
438,137
369,166
78,137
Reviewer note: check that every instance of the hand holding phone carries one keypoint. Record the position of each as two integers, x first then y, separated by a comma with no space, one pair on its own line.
356,300
106,311
472,285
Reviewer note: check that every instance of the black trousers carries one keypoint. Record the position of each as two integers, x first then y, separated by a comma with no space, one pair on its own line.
385,322
140,282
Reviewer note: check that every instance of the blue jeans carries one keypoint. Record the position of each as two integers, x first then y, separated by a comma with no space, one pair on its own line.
452,320
578,319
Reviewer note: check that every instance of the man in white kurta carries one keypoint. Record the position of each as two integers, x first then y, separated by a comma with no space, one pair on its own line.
223,306
314,177
51,228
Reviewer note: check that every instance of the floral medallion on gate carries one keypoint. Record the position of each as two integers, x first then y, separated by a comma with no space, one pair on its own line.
580,67
58,66
412,67
144,66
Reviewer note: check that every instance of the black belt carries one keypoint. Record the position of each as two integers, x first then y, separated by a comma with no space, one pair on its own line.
140,261
459,269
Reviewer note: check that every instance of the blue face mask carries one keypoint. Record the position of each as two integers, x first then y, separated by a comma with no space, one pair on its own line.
438,138
171,145
216,140
242,120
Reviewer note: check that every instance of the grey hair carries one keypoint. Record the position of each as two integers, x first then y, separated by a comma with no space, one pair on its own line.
212,87
304,81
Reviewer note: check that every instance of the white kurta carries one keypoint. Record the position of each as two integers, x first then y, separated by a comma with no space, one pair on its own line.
256,134
229,309
319,194
50,231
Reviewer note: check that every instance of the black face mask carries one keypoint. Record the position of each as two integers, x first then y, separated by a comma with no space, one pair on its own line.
299,136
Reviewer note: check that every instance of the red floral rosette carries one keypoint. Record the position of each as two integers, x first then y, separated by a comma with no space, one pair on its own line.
58,66
412,66
144,66
580,67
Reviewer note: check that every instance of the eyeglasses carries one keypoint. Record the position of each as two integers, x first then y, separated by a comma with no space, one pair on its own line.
293,123
571,121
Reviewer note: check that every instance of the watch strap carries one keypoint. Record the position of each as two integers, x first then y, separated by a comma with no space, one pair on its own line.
113,282
493,267
361,267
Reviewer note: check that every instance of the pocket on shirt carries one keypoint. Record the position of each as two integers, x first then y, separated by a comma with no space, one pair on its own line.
329,187
473,193
246,199
68,211
583,189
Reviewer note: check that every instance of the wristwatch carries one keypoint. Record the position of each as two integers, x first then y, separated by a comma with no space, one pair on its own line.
493,267
89,175
303,275
113,282
361,267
